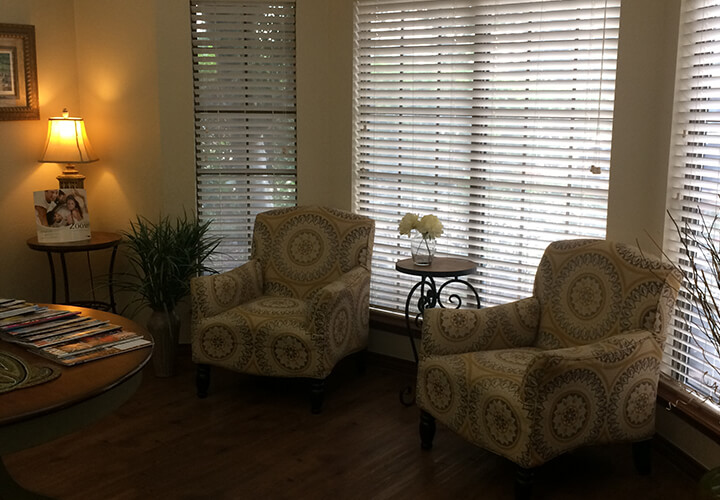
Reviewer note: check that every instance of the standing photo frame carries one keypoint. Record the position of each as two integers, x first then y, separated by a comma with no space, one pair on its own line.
18,73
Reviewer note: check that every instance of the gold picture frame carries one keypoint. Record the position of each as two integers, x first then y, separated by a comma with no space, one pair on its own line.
18,73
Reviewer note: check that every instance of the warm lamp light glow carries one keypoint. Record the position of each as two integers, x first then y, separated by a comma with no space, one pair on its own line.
67,142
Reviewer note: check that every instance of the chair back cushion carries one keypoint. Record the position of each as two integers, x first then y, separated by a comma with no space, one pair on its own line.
301,249
589,290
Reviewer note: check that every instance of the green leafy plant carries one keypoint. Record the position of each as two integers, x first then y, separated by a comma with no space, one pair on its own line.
163,256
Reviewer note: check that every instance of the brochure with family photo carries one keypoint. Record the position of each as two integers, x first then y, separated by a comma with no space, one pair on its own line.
61,215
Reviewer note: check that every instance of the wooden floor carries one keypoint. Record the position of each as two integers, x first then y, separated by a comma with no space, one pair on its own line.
256,439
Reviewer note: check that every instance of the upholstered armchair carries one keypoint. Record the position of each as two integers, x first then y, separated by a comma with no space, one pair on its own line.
298,306
576,364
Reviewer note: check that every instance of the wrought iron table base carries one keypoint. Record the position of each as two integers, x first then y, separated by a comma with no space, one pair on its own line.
431,296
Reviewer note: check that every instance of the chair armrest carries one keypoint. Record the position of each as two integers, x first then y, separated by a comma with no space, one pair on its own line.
456,331
348,291
213,294
610,358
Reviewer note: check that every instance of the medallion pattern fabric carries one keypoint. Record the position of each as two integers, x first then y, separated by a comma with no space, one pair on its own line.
575,364
298,306
16,373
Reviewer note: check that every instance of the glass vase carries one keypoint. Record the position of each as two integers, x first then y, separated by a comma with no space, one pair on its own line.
422,250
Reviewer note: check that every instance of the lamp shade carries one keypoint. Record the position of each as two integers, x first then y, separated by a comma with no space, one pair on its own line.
67,141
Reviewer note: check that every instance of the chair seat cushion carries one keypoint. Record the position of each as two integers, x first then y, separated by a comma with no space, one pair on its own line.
276,307
269,335
489,398
476,394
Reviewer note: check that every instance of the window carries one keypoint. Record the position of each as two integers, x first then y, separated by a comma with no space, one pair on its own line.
694,178
245,123
494,115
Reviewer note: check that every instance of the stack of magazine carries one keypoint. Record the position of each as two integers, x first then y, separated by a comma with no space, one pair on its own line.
64,336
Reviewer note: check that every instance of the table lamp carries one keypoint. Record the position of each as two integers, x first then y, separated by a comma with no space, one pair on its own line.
67,143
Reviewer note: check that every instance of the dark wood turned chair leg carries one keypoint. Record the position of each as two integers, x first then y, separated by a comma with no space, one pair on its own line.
317,395
202,380
642,456
427,430
524,479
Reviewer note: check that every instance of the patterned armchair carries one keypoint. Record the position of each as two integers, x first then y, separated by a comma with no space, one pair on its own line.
575,364
298,306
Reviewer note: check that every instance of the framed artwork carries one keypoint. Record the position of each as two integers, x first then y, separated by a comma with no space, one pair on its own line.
18,73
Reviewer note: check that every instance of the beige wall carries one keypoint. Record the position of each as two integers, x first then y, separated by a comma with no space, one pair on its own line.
324,81
642,121
24,273
125,66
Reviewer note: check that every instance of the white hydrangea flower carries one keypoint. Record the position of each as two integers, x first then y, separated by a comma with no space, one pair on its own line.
430,227
408,223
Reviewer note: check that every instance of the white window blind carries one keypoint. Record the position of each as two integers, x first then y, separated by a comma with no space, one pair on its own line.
245,123
494,115
694,180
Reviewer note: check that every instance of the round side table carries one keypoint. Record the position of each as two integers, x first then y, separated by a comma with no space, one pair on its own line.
431,295
97,241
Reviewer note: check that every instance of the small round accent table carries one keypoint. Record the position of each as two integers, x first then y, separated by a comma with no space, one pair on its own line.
430,294
97,241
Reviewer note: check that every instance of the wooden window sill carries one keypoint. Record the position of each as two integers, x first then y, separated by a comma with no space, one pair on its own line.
690,408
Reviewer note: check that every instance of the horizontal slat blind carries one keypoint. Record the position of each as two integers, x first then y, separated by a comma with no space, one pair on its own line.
694,182
494,115
245,116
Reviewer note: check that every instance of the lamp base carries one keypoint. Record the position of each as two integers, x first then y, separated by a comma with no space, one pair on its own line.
71,178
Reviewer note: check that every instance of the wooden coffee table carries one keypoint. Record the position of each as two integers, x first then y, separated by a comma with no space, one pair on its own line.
81,395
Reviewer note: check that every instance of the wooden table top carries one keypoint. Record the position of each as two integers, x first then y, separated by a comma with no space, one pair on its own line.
98,241
441,267
75,383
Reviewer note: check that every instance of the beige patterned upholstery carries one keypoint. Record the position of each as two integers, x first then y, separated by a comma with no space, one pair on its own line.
298,306
575,364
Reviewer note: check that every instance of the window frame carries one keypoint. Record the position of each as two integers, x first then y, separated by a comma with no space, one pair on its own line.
433,186
245,109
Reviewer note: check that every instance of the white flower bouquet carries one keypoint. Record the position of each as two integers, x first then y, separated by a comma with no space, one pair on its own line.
429,226
422,245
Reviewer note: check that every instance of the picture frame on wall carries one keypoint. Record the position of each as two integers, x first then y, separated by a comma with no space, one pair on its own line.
18,73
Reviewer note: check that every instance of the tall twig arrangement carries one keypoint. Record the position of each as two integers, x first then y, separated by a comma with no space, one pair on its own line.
701,276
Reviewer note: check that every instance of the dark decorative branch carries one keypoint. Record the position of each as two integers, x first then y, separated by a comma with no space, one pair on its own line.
700,276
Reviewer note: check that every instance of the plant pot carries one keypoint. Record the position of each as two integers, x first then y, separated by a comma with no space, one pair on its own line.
422,250
165,330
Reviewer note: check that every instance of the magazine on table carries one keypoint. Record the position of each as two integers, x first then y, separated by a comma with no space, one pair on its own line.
91,343
55,325
66,337
65,334
37,316
16,309
63,338
61,215
98,353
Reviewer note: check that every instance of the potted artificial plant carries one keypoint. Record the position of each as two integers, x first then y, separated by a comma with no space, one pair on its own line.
162,257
